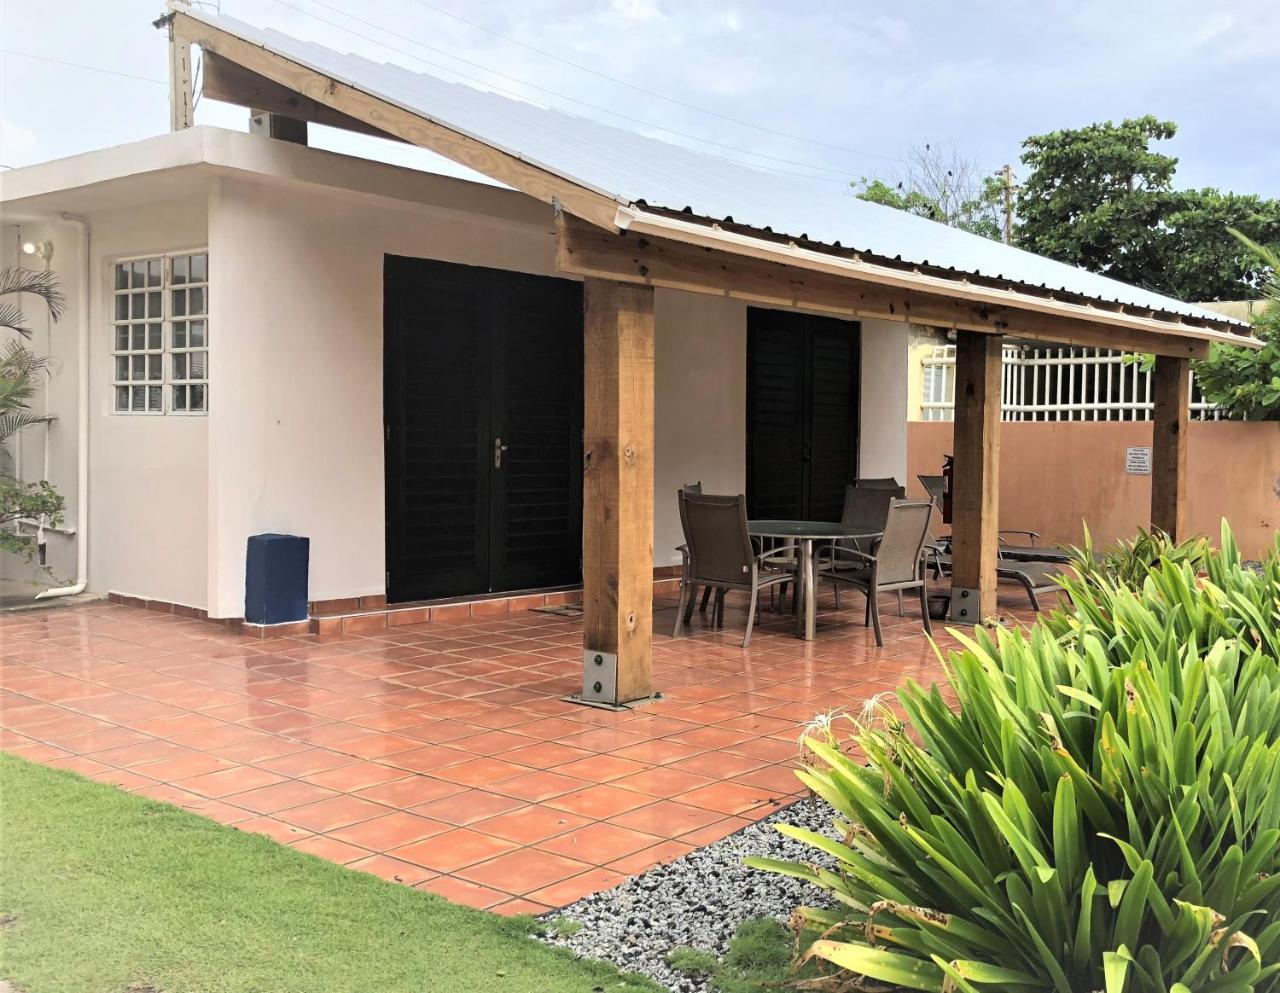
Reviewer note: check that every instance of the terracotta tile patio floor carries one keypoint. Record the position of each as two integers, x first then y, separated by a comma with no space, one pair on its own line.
442,755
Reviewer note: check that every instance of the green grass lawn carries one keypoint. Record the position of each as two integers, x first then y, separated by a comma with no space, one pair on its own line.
101,891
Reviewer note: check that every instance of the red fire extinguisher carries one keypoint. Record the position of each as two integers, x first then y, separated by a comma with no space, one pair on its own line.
948,470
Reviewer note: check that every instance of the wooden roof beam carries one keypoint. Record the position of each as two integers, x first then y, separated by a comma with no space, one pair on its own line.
231,83
316,89
586,250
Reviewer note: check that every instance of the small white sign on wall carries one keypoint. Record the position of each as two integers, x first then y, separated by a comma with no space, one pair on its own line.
1137,461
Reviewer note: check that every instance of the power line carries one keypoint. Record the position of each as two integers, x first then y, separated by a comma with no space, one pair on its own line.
81,65
648,92
843,180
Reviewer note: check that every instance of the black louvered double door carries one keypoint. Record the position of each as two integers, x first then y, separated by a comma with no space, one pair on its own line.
483,414
802,414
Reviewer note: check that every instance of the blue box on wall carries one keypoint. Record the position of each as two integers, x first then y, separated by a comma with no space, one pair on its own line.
275,579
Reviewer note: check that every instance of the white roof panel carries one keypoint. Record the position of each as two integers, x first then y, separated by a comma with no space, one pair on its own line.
632,169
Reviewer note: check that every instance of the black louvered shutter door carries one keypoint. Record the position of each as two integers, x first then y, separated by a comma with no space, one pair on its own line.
775,416
802,414
833,410
537,414
436,397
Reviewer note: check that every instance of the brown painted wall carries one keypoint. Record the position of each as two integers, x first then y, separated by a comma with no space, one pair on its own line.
1053,475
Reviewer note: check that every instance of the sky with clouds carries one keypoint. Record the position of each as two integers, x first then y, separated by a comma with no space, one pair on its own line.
838,89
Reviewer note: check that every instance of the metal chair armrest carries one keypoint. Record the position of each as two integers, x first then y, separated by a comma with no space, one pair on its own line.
784,554
838,551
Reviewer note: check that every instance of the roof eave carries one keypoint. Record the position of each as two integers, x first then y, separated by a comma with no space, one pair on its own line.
709,234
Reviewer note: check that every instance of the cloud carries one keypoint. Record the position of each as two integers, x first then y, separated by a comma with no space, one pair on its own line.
636,10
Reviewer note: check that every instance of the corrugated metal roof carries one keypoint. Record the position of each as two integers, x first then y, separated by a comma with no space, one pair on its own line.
634,169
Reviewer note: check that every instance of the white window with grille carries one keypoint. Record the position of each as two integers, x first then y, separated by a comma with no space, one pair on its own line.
160,335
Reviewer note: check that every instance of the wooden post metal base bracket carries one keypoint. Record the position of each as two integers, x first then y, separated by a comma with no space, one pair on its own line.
616,708
966,606
600,683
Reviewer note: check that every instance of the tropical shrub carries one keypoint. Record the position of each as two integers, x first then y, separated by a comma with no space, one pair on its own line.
1128,561
1242,381
1100,810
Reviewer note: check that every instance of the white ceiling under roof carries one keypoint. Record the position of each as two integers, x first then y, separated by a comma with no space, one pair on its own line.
633,169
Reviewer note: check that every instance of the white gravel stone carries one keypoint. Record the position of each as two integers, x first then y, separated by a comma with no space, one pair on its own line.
698,900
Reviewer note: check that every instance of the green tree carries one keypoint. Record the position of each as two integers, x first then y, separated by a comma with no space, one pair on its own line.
1246,381
20,374
942,185
1099,197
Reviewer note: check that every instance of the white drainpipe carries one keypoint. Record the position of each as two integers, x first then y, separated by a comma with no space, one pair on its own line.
82,415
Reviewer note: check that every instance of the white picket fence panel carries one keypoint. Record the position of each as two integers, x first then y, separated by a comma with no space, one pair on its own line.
1057,384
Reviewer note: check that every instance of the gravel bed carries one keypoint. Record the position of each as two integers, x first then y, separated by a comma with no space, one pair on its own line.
698,900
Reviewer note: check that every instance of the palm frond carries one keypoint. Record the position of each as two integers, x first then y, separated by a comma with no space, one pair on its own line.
14,421
1269,257
19,362
41,283
12,317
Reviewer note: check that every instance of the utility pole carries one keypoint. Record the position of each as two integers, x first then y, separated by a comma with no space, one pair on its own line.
1006,176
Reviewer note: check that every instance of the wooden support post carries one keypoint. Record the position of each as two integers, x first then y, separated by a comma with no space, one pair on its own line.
975,481
181,101
1172,414
617,513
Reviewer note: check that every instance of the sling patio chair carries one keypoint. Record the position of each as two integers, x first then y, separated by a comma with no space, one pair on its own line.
722,557
868,507
684,558
895,565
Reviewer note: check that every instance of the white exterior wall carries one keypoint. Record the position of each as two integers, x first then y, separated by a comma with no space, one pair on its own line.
148,502
886,349
148,475
700,413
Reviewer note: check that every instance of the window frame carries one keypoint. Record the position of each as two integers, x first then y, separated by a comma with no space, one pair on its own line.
167,382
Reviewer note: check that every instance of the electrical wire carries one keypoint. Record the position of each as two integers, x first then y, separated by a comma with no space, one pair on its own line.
843,176
81,65
653,93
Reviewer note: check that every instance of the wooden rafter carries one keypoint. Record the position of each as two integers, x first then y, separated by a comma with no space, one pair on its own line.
225,80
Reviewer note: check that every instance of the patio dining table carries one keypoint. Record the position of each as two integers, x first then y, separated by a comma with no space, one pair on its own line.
807,535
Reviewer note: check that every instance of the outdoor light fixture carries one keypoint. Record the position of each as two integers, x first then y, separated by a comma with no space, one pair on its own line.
40,249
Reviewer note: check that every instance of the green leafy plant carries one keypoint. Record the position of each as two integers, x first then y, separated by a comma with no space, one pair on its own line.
943,185
1100,811
26,501
1246,382
20,373
1128,561
1101,197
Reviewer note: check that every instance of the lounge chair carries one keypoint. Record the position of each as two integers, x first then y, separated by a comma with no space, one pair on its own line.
1019,552
1033,567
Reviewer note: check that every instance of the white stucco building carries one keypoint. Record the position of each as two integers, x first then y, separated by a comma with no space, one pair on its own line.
280,423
